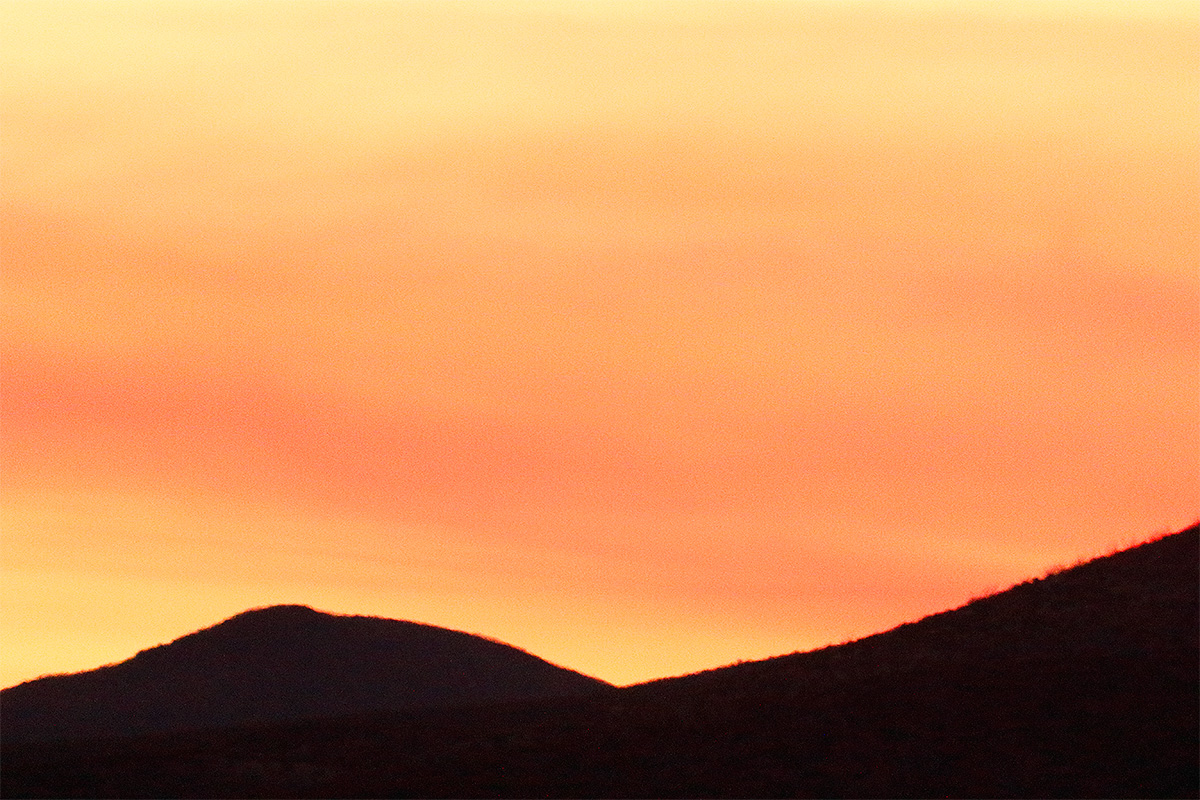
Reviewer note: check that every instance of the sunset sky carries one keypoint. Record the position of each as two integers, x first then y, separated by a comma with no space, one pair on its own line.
643,336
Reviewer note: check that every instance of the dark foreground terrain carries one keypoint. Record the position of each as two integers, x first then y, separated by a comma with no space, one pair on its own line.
1085,683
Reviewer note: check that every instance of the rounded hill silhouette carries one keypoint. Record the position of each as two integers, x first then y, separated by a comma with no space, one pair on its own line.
283,663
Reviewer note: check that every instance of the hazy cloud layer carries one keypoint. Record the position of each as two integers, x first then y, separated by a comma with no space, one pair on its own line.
643,337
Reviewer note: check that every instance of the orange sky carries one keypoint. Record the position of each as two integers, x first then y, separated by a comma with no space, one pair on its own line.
643,336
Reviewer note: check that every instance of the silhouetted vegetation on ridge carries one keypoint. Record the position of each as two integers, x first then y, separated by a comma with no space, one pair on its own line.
1085,683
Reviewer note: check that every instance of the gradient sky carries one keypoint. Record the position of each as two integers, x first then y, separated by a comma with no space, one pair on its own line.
643,336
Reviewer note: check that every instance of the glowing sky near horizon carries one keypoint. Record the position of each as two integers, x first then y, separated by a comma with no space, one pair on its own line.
643,336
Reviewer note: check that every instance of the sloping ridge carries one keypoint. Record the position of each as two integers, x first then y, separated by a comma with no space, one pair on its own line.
1083,683
282,663
1130,605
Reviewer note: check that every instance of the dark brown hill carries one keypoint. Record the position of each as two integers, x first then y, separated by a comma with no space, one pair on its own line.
1085,683
281,663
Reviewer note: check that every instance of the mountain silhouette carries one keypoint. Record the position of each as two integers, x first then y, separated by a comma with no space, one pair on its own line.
282,663
1083,683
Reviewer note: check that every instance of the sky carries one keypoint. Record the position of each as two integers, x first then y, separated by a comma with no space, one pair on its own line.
646,337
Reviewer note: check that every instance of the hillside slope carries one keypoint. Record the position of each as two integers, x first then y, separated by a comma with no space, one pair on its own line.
281,663
1083,684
